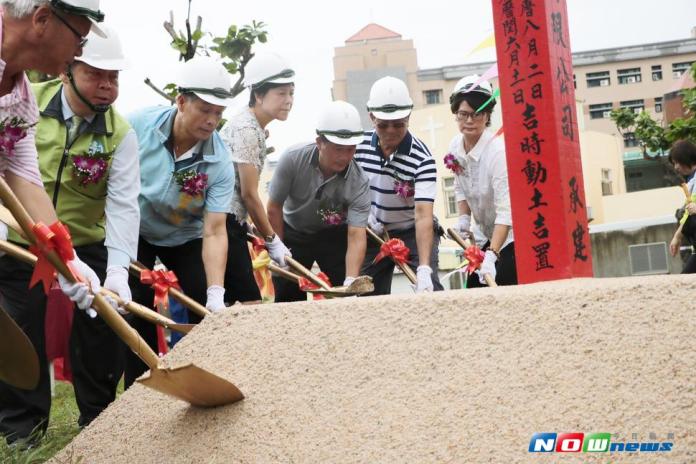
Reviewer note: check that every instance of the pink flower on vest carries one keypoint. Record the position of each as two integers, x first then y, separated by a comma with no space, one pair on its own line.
404,188
89,168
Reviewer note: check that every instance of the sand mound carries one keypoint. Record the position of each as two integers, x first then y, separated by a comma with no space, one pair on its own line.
460,376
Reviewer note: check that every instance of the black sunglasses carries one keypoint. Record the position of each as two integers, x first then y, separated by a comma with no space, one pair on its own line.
83,40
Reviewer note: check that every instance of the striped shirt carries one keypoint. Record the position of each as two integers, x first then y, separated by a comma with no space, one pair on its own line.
20,102
397,182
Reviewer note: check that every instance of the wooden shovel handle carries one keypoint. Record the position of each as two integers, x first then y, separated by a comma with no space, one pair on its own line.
136,268
296,265
405,268
129,335
466,243
283,272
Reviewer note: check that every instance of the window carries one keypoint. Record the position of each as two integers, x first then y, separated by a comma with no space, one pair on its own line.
629,140
656,72
598,79
680,68
600,110
658,104
636,105
451,209
648,258
628,76
433,97
606,182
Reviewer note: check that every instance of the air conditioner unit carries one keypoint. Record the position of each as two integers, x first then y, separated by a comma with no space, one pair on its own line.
676,74
606,114
637,110
631,80
604,82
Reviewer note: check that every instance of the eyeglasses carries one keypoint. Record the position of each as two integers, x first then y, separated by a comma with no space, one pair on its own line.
464,115
83,40
384,125
216,92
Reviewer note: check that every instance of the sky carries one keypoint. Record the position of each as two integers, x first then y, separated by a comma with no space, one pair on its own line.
443,31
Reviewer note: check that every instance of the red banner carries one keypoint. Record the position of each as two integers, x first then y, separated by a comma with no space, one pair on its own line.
541,140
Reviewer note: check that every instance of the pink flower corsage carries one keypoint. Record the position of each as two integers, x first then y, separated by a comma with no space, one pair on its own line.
192,183
12,130
452,164
404,188
331,215
89,168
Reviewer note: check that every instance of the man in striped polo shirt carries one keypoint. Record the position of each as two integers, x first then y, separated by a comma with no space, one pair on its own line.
402,177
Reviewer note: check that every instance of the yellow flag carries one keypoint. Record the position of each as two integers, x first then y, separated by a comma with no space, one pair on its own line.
485,43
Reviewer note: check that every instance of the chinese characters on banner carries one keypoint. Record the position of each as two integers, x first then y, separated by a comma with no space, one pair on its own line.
541,139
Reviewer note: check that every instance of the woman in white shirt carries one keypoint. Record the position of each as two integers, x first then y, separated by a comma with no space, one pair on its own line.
477,159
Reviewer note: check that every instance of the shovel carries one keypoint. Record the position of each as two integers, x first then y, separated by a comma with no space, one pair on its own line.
361,284
132,307
136,268
187,382
466,243
408,272
19,363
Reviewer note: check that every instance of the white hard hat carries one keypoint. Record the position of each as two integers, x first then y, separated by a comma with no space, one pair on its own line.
103,53
267,68
340,123
465,85
207,79
88,8
389,99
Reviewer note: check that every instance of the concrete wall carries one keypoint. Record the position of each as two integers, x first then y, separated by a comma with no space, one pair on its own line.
610,250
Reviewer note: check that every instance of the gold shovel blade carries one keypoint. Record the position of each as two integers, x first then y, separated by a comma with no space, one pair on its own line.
19,363
192,384
361,285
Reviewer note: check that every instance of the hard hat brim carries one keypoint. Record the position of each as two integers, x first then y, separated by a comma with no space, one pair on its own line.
96,29
106,65
399,114
213,100
355,140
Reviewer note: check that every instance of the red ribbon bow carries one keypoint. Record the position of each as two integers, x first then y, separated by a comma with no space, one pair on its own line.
475,256
54,237
306,285
160,281
396,249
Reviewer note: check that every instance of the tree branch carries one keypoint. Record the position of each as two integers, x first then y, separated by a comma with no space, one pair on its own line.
149,83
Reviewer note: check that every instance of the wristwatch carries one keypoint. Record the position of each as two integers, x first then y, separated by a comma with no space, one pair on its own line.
270,238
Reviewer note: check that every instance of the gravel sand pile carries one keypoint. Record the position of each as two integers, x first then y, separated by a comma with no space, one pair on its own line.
461,376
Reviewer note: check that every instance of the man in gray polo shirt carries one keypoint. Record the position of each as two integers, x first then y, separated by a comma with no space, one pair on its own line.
319,201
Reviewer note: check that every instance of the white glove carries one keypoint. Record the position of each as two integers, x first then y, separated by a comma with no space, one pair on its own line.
117,282
487,266
216,298
3,234
376,226
348,280
424,281
464,226
278,251
79,292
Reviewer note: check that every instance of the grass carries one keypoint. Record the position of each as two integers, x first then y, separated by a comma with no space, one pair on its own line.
62,428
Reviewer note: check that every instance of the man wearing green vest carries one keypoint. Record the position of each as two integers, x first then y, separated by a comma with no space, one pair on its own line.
88,158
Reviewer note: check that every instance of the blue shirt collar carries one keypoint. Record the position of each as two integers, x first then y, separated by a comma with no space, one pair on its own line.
164,130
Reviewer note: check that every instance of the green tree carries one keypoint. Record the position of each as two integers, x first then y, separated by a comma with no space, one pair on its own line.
653,138
234,48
